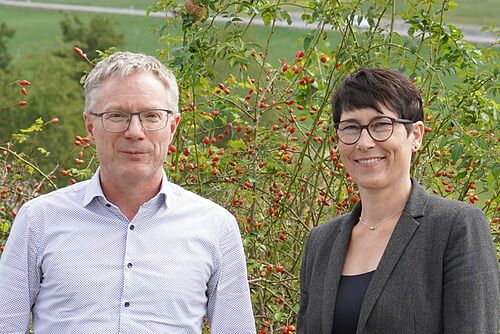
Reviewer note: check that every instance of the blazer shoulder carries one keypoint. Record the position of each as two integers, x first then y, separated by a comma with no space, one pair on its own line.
451,207
446,215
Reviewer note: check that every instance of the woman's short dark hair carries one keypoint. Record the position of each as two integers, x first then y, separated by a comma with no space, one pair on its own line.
372,87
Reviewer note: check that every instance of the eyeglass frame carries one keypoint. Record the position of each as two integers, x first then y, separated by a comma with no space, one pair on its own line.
130,115
366,126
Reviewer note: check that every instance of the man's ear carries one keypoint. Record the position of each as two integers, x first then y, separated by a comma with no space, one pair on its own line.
89,125
174,124
418,129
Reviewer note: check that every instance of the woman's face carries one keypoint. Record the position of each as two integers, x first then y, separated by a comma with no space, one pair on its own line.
378,165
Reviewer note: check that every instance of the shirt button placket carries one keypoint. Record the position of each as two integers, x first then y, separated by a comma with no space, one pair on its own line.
128,275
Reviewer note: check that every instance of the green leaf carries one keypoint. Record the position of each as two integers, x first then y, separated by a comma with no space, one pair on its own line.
278,316
237,144
456,152
204,83
287,17
485,117
43,151
19,138
451,5
492,179
5,226
496,171
35,127
307,41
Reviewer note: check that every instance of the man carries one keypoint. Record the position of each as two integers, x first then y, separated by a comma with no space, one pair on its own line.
127,251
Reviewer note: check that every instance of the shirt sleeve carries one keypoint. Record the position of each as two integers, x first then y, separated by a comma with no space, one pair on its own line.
471,276
229,306
19,277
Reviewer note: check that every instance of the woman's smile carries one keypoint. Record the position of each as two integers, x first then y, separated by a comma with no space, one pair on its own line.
368,161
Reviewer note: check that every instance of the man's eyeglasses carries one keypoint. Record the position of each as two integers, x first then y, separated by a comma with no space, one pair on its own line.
117,121
380,129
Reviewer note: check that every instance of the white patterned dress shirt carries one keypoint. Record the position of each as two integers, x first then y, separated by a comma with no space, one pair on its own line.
76,263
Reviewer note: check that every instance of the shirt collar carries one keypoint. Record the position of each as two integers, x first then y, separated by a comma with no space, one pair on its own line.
94,189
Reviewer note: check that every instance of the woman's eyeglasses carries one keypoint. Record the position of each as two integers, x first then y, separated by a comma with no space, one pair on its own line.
380,129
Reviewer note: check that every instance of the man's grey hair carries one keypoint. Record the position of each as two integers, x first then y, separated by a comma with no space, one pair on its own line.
122,64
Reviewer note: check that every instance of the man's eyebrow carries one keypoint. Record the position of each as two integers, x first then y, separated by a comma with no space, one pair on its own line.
124,109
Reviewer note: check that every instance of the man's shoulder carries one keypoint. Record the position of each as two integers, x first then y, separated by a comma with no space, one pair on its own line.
73,193
191,199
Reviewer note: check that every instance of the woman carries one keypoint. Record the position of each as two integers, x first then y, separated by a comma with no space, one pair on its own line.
403,261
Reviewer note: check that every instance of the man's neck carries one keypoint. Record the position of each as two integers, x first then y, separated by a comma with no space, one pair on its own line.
130,195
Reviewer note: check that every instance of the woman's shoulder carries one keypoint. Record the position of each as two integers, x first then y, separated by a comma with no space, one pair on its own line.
423,203
444,215
451,207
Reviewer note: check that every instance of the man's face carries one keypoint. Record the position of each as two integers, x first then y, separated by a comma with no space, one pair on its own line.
136,154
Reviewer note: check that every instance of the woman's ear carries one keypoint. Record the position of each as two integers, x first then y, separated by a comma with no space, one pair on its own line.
418,130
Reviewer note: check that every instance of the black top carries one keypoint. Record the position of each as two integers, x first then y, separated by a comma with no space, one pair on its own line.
350,296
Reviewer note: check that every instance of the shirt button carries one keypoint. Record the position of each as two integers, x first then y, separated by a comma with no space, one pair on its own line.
129,265
132,227
127,304
108,205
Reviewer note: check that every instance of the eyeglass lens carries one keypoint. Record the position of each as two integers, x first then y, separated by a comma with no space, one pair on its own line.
115,121
379,129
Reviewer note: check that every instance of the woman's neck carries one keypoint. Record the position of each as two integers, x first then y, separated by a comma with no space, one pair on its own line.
379,204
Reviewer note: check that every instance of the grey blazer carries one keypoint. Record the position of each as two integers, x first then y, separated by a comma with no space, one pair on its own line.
438,274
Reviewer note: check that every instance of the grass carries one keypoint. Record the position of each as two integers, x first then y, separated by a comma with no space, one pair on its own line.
139,38
142,4
473,12
478,12
468,12
29,34
138,32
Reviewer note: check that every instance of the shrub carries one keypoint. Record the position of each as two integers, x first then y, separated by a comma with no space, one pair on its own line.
257,135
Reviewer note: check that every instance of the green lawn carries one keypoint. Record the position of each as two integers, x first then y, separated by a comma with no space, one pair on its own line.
137,31
478,12
108,3
471,12
138,35
29,35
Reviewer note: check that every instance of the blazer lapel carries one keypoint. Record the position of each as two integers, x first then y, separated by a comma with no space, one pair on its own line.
403,232
334,269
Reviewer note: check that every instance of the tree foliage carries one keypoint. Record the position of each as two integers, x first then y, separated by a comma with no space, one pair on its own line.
259,140
6,33
99,34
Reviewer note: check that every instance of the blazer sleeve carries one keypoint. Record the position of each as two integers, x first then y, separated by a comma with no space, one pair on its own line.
470,276
304,288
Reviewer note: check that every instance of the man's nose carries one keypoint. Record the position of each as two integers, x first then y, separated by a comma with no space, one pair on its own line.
135,128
